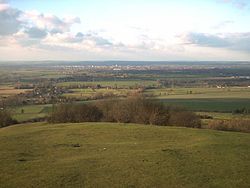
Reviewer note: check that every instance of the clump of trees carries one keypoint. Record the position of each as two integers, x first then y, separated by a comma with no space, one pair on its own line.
5,118
181,117
132,110
75,113
240,125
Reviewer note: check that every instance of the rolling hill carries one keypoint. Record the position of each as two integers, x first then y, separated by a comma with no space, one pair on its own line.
122,155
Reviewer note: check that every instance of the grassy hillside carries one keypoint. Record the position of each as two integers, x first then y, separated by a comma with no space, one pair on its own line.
118,155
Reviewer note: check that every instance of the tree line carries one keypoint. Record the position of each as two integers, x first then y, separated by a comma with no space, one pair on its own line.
132,110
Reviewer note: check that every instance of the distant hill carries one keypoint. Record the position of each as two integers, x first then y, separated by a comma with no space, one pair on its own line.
124,63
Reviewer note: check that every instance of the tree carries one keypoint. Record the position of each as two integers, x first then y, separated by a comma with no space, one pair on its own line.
5,118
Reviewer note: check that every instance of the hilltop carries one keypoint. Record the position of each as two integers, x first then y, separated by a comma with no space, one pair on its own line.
121,155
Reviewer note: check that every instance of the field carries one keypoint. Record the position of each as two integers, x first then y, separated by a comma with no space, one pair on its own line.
124,155
201,93
125,83
118,155
29,112
209,105
217,108
6,91
85,93
224,88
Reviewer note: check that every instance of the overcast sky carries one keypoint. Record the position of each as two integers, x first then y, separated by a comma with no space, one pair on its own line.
125,30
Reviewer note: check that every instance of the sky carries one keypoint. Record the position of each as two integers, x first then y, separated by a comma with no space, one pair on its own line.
143,30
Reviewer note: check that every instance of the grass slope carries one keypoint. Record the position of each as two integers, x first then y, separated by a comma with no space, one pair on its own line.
118,155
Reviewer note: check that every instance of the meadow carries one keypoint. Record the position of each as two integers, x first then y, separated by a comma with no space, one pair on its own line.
121,155
200,93
29,112
200,99
8,90
125,83
209,105
200,90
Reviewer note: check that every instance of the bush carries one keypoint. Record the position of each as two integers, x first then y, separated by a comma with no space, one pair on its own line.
5,118
132,110
182,117
241,125
75,113
205,116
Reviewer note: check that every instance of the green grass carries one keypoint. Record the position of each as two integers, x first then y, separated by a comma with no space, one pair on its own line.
205,105
118,155
201,93
213,105
83,93
31,112
112,83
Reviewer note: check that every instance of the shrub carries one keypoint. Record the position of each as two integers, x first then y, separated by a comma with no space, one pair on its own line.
205,116
242,125
5,118
132,110
182,117
75,113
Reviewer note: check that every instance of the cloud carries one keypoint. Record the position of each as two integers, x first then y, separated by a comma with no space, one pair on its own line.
51,23
99,41
223,24
36,24
9,20
232,41
3,1
35,32
79,39
32,28
240,4
208,40
30,31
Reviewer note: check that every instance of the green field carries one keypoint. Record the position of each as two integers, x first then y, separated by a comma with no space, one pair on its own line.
209,105
30,112
201,93
119,155
126,84
83,93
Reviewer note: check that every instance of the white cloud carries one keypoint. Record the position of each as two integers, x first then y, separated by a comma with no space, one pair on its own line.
223,24
9,20
51,23
232,41
41,32
240,4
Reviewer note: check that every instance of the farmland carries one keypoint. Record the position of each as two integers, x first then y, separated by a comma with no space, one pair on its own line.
25,113
123,84
30,91
201,93
119,155
210,105
6,91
